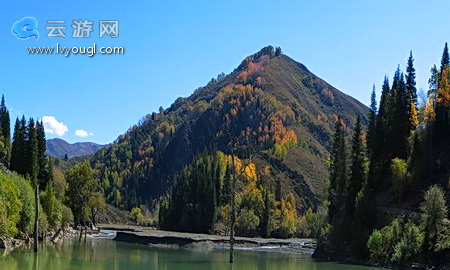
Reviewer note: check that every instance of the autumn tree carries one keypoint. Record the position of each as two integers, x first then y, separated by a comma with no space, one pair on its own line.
136,212
442,107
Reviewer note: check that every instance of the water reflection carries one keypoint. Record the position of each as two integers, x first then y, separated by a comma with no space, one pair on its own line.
97,254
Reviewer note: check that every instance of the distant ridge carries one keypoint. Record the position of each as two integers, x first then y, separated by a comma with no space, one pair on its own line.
59,148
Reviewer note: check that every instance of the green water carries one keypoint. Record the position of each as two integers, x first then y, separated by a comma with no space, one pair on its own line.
107,254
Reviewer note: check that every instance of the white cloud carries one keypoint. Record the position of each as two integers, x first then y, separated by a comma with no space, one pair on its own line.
83,133
53,126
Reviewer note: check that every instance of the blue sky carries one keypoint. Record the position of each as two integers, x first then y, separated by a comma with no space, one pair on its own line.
173,47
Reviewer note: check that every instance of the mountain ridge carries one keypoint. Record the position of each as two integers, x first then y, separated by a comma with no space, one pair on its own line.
281,94
57,147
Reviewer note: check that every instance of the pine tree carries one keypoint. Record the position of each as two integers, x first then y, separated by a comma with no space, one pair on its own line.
45,174
338,171
33,171
445,60
357,175
399,118
5,129
16,147
24,158
411,91
378,148
32,152
372,119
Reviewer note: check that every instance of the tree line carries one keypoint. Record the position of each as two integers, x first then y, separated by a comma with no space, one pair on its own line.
387,170
32,199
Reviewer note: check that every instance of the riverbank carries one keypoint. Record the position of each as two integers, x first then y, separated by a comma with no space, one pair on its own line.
153,237
7,242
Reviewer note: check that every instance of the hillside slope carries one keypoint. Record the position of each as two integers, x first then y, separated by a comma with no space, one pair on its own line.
281,113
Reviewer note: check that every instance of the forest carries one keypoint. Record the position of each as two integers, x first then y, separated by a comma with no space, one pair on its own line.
389,187
35,195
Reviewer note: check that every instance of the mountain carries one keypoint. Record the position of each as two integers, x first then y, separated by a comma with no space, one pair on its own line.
59,148
273,108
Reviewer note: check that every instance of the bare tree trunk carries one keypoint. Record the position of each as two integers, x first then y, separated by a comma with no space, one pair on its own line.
36,217
85,233
233,210
81,233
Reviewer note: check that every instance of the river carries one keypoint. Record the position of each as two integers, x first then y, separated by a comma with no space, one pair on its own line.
107,254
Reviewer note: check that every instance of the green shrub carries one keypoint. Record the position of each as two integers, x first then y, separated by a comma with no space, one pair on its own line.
26,195
395,243
137,214
10,205
409,244
375,245
434,211
52,207
246,222
399,171
43,221
66,216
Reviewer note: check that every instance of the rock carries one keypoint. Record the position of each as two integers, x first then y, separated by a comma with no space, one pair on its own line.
17,242
5,242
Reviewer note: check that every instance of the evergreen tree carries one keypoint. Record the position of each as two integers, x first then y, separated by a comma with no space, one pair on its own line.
45,174
267,220
411,91
338,172
399,123
5,130
32,152
357,175
192,203
277,51
377,150
382,121
433,84
17,146
372,119
23,153
445,60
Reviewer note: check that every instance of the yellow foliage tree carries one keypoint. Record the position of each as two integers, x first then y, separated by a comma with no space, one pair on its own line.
287,216
444,89
414,115
429,112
